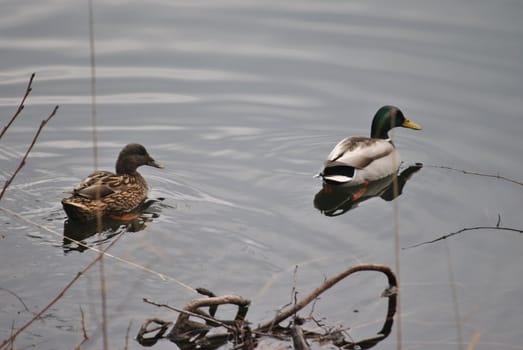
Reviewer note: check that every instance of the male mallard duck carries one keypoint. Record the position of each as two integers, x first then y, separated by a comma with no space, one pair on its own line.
359,160
104,193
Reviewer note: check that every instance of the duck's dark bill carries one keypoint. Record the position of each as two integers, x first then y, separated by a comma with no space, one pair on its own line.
155,164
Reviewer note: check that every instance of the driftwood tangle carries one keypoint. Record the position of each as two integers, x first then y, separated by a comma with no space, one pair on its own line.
211,333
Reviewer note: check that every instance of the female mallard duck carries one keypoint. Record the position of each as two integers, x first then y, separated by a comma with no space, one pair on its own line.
359,160
106,194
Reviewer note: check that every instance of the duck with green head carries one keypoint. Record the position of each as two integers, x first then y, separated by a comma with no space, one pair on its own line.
359,160
108,194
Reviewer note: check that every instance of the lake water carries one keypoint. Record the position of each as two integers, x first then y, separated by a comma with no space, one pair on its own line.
242,101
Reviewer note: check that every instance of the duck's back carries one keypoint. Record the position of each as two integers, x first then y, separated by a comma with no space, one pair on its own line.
105,193
356,160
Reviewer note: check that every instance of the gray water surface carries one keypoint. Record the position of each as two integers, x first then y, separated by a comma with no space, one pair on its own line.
242,101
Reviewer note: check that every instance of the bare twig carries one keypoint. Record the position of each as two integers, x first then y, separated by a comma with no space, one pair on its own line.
466,172
464,230
294,296
326,285
20,106
11,339
17,297
22,163
84,329
313,306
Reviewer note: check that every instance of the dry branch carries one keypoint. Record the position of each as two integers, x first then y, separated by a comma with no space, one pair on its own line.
466,172
445,236
20,106
22,163
326,285
84,330
194,335
190,310
17,297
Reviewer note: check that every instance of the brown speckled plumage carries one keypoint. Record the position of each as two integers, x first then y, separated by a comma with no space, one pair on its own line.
105,193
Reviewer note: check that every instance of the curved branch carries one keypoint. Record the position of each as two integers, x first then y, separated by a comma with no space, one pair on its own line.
192,308
160,330
326,285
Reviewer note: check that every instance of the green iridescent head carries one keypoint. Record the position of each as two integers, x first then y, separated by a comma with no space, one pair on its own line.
388,117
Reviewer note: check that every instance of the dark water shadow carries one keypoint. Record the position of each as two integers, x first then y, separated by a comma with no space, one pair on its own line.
108,228
334,200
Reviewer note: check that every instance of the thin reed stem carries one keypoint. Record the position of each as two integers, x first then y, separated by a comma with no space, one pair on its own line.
455,304
92,56
397,250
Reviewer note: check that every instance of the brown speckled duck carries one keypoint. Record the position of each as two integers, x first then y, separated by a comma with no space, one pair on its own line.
106,194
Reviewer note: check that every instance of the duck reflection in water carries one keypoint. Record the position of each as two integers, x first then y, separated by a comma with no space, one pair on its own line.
108,228
335,199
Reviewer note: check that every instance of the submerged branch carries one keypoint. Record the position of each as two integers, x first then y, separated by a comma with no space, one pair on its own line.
189,334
